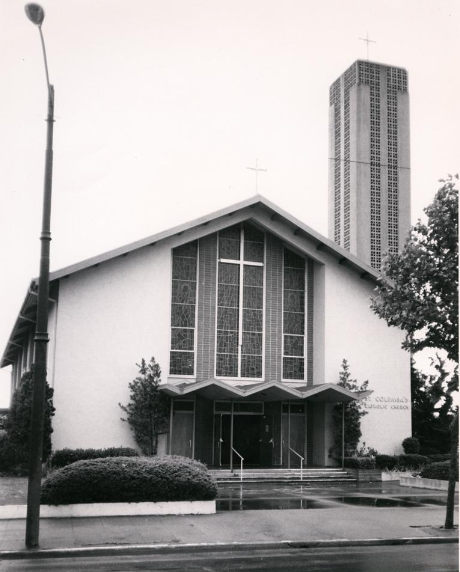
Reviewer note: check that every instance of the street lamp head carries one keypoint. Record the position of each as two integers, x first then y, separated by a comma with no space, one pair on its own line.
35,13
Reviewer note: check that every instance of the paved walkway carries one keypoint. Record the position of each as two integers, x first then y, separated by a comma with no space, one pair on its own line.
336,516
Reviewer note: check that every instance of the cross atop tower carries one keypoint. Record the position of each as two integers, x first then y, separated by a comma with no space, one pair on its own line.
368,41
257,169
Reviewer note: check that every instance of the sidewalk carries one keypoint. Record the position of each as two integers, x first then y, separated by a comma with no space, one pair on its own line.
384,513
346,523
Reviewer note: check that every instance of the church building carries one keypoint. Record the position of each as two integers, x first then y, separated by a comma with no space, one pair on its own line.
249,313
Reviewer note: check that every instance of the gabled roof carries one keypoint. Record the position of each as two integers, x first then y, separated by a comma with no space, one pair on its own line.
273,212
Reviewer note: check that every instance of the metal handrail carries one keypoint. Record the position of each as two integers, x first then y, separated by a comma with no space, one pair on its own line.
241,463
301,462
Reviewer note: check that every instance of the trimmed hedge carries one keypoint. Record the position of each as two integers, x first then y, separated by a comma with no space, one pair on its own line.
359,462
412,462
437,471
386,461
64,457
128,479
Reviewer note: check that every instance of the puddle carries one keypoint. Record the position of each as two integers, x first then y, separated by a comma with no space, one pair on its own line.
427,500
269,504
375,501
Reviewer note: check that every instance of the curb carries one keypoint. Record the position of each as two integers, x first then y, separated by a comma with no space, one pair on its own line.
215,547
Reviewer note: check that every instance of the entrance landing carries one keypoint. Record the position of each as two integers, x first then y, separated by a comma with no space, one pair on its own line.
270,496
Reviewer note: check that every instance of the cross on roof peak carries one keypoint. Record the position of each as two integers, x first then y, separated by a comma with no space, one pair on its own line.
368,41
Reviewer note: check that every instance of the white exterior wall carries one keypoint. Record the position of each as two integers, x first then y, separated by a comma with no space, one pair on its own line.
109,317
373,351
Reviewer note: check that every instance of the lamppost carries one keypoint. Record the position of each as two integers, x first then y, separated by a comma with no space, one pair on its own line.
36,15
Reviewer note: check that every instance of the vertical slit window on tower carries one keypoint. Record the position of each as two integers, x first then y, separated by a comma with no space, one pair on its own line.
182,354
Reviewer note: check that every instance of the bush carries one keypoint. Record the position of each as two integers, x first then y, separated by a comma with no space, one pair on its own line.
128,479
64,457
191,462
437,458
359,462
412,462
411,446
437,471
386,461
15,446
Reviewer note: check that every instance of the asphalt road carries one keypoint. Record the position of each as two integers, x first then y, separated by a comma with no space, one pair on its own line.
418,558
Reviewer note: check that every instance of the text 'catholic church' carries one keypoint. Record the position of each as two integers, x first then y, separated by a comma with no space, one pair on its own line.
248,311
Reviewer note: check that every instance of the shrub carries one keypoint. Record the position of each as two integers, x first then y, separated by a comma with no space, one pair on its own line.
386,461
15,447
359,462
64,457
412,462
437,471
148,412
128,479
352,412
192,462
411,446
437,458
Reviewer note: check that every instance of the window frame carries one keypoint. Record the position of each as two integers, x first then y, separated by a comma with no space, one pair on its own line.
305,313
195,329
241,263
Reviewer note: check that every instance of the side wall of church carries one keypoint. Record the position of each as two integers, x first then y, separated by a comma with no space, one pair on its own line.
373,351
109,318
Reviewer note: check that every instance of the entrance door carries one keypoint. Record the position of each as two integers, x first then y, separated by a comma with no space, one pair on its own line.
182,434
246,439
293,427
267,440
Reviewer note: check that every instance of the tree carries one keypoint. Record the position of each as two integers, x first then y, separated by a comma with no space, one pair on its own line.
16,442
432,407
418,293
353,411
149,409
418,289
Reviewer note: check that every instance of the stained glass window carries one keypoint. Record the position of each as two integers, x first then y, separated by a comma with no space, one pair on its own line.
293,316
240,300
184,268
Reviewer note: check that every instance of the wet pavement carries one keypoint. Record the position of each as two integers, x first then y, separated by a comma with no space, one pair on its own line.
259,496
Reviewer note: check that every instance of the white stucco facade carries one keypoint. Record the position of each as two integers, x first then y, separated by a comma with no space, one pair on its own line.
116,309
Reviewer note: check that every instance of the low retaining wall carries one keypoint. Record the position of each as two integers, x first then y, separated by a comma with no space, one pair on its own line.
112,509
421,483
365,475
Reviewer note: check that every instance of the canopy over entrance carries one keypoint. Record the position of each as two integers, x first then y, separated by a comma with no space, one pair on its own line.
217,389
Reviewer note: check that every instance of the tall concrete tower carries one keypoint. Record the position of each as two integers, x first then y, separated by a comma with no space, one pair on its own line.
369,165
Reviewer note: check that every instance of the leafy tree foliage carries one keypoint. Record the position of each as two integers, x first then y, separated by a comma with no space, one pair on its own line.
418,289
148,410
15,447
353,412
418,292
432,407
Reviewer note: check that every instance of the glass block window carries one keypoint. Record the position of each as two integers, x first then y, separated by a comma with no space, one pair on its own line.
240,302
182,355
293,316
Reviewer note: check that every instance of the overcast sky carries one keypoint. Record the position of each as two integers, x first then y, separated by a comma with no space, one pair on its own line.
162,105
